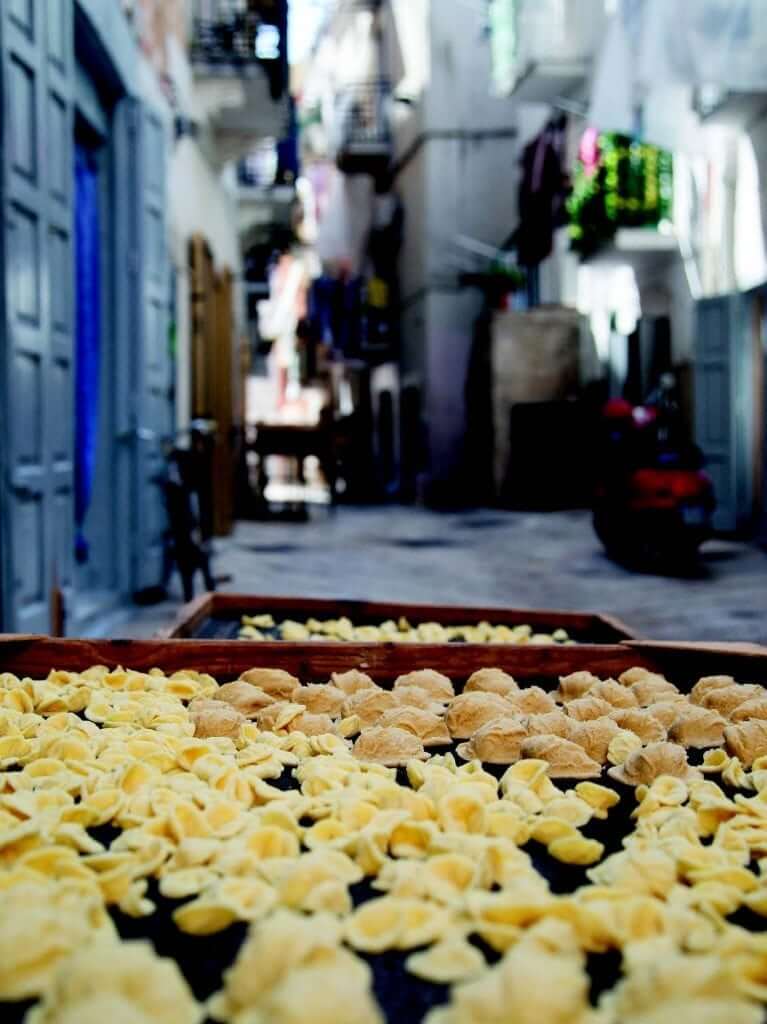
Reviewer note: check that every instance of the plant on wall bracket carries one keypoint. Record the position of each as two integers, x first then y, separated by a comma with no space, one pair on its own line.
618,182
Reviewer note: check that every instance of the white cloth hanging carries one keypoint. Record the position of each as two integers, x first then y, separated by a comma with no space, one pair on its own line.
345,226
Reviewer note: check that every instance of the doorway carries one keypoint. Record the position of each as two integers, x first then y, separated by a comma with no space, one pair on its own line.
97,587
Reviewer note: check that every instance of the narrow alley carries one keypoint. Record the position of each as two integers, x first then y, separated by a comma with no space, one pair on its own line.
482,557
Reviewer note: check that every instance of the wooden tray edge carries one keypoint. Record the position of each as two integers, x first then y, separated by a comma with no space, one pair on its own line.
191,615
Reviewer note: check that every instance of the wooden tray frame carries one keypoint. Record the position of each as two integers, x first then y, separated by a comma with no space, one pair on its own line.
685,663
211,605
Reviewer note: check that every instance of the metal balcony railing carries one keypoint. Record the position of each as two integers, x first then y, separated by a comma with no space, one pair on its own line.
363,126
230,40
243,38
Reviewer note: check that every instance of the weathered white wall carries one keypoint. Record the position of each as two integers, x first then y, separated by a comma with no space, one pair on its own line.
201,200
664,291
198,203
473,180
461,181
412,188
407,48
450,319
408,33
682,315
751,207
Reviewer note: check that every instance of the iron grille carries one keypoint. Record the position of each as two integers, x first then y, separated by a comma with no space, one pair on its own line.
230,35
230,40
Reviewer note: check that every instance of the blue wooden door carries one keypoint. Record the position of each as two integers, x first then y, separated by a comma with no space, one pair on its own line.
36,288
715,408
143,297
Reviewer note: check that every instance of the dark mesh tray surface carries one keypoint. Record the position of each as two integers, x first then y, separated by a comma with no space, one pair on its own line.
404,998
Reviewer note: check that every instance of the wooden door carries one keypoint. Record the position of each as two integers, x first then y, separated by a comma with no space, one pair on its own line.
202,299
211,296
36,310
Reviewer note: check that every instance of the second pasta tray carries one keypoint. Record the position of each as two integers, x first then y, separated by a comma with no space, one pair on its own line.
357,834
222,616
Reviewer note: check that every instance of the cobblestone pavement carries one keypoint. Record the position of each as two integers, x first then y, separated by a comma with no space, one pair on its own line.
533,560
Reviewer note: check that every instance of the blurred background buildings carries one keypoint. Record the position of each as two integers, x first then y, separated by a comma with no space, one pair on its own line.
419,243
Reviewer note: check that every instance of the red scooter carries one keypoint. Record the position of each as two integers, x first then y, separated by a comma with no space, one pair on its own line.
653,503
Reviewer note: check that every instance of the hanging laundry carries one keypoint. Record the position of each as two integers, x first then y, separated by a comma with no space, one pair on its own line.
543,193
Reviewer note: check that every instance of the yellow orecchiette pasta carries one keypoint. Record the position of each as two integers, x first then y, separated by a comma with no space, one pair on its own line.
248,802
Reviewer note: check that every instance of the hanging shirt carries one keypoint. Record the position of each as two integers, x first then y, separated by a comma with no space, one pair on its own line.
543,192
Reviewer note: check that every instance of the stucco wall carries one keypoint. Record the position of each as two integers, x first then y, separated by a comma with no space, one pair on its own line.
199,203
461,180
450,318
411,186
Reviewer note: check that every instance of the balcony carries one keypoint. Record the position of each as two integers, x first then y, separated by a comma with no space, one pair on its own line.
544,49
241,38
265,191
238,55
364,142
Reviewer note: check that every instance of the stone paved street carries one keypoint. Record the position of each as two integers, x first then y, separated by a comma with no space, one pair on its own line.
533,560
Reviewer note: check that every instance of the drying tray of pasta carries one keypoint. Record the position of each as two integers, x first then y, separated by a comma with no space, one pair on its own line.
264,618
469,848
